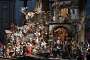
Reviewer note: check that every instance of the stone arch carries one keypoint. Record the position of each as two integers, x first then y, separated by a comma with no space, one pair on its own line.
66,32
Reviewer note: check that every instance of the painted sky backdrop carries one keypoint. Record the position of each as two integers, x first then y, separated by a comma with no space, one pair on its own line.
31,4
18,5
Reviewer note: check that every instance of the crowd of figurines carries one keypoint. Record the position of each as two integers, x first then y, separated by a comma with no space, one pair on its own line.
32,38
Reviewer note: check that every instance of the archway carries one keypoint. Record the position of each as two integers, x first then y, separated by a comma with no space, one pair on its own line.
62,33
